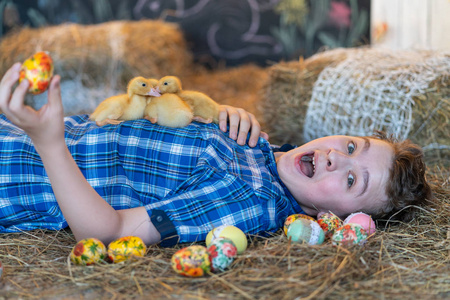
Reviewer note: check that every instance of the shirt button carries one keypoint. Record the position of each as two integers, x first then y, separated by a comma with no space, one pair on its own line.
159,219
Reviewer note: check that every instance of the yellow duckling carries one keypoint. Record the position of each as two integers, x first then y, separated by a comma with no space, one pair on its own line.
205,109
130,106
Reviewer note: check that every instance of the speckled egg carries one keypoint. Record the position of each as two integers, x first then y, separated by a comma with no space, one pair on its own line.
289,220
88,251
230,232
192,261
329,223
304,230
348,235
222,253
38,70
125,248
364,220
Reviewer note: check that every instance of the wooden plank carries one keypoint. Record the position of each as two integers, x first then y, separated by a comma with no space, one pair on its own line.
422,24
413,24
439,24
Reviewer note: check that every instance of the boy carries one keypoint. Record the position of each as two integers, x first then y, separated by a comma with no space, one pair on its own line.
175,185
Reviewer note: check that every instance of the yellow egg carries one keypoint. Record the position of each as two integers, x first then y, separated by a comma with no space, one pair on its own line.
88,251
38,70
125,248
233,233
192,261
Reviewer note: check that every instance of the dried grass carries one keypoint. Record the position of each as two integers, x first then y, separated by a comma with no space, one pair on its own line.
401,261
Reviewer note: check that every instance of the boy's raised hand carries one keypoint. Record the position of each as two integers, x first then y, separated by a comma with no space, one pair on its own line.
241,122
44,126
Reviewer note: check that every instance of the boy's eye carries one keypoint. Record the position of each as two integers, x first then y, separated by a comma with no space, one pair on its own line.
351,147
350,180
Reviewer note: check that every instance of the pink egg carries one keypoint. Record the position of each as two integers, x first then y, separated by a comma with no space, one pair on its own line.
364,220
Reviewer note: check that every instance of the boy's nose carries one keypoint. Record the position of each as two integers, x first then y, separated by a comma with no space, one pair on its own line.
336,160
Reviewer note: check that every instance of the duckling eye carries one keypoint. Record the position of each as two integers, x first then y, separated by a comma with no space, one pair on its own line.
350,180
144,84
166,83
351,147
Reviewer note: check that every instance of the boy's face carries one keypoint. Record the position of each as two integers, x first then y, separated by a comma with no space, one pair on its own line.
341,174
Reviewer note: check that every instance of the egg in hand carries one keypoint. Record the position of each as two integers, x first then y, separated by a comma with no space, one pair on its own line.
38,70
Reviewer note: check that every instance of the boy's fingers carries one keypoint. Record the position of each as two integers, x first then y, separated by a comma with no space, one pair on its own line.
223,118
255,133
54,92
244,127
234,125
6,85
264,135
18,97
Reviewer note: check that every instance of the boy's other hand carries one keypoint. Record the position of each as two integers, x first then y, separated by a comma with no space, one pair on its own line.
241,122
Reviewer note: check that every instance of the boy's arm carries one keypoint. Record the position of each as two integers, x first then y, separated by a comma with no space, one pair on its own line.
87,214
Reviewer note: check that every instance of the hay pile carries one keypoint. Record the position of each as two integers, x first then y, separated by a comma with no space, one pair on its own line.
97,61
354,91
112,52
401,261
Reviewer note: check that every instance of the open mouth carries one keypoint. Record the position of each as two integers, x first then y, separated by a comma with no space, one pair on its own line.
308,165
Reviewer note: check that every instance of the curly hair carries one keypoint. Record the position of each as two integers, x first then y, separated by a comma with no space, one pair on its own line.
407,188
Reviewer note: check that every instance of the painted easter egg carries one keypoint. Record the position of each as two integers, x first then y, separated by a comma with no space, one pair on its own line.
289,220
125,248
38,70
364,220
230,232
348,235
88,251
192,261
222,253
329,223
304,230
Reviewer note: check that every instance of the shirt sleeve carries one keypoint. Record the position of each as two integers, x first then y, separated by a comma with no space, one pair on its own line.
206,200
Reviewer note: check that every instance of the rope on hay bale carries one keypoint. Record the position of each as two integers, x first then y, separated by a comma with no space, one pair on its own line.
356,91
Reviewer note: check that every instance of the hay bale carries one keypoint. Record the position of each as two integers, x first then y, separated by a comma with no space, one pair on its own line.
109,52
97,61
356,91
240,86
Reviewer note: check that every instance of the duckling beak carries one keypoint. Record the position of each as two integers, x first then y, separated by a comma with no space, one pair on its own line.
153,93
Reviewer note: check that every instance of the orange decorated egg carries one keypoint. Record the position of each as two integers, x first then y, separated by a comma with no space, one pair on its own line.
329,223
125,248
88,251
192,261
289,220
38,70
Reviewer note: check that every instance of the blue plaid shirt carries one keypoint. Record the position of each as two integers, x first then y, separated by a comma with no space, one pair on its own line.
196,176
